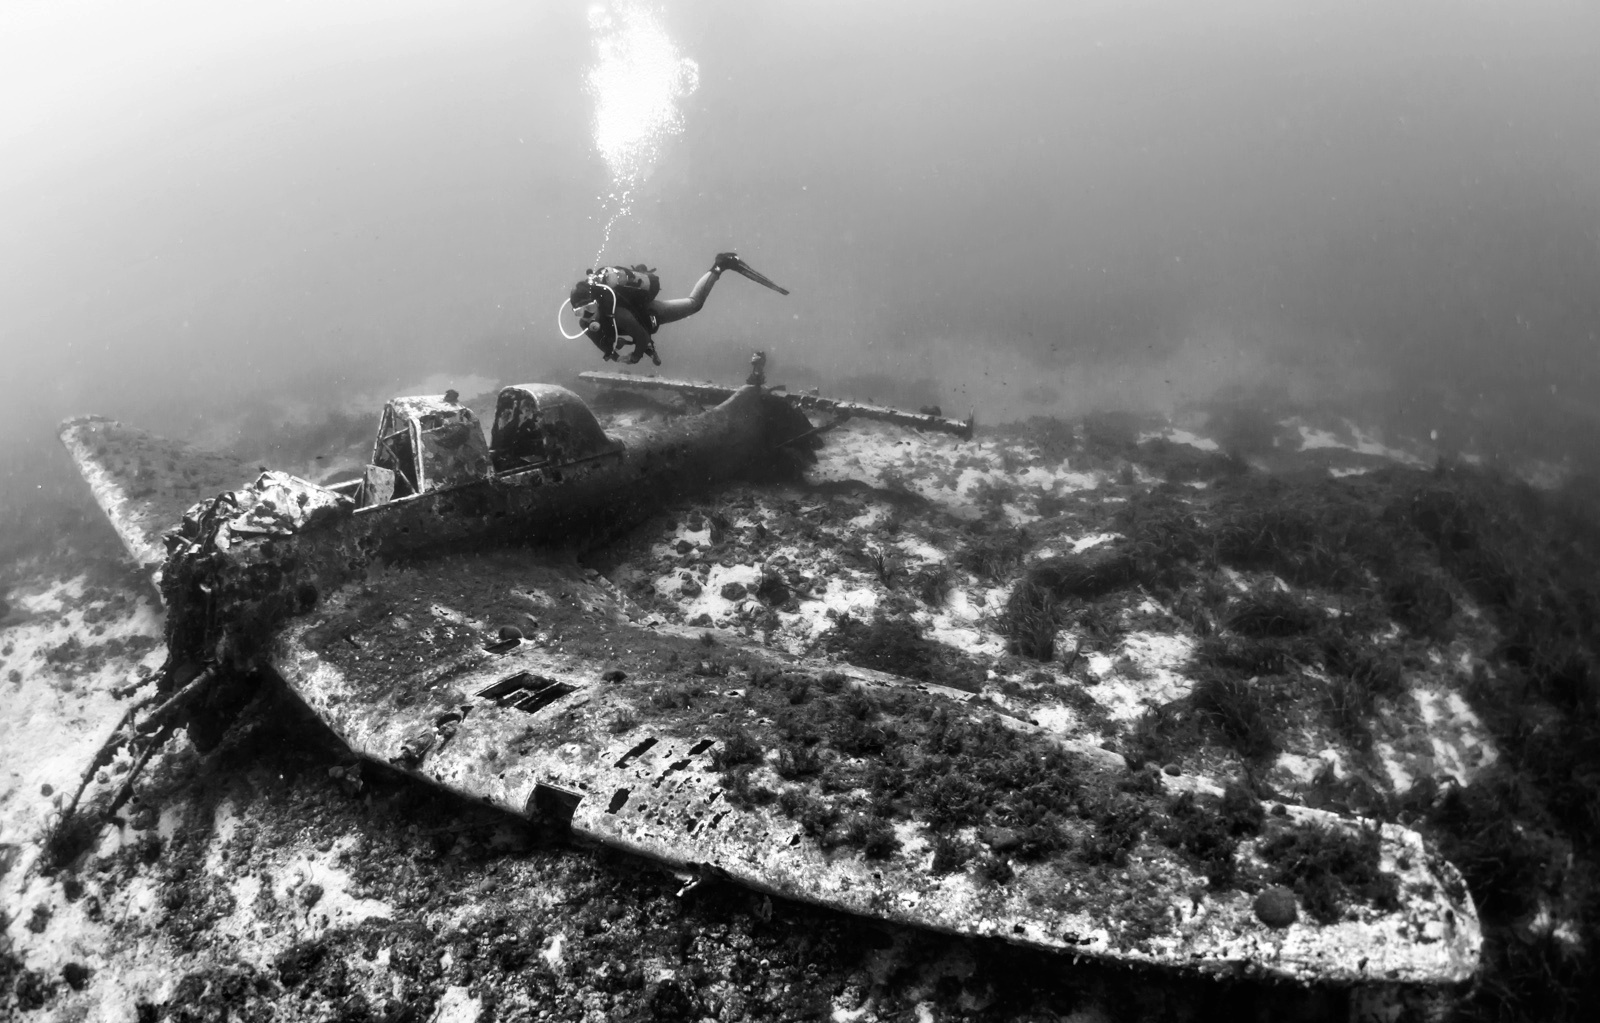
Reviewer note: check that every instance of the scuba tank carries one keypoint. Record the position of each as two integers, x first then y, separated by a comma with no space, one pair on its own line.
635,286
598,295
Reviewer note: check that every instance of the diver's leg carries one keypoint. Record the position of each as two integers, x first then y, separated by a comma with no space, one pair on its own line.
630,330
669,309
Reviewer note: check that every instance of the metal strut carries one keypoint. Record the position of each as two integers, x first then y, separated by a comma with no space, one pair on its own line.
149,735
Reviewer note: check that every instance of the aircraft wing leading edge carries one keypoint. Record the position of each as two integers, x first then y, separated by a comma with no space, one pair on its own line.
144,483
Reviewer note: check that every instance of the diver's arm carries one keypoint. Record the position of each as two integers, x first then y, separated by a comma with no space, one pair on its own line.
670,309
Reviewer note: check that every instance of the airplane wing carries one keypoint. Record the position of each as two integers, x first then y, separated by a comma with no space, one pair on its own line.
144,483
837,408
696,755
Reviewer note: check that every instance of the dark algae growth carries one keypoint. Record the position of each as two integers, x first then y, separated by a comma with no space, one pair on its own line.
1327,868
852,764
1418,549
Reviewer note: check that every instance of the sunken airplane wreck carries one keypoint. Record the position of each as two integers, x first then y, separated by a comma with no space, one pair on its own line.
393,606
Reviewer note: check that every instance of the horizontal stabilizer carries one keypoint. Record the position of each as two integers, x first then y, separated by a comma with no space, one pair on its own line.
693,390
708,392
144,483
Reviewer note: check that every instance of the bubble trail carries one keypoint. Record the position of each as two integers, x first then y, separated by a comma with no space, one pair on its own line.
637,83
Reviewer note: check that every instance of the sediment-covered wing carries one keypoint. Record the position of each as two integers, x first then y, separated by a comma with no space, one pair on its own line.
818,782
144,483
837,408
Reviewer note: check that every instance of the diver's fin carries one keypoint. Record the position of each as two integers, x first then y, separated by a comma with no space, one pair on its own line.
144,483
740,266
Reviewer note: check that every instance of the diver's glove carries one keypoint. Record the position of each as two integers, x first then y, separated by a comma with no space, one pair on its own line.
725,261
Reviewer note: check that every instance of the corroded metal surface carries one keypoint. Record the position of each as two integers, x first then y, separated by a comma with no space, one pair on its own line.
699,391
539,423
226,592
430,442
143,482
650,787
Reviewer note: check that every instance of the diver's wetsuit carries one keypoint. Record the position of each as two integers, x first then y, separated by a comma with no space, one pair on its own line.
624,326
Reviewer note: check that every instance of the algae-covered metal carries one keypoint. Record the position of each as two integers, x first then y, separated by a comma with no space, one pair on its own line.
144,483
394,607
425,443
536,730
932,419
543,424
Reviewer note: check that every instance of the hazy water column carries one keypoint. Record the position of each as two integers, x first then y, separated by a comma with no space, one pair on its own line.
637,84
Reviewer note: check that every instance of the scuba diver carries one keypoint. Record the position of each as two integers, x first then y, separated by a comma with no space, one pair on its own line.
618,305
